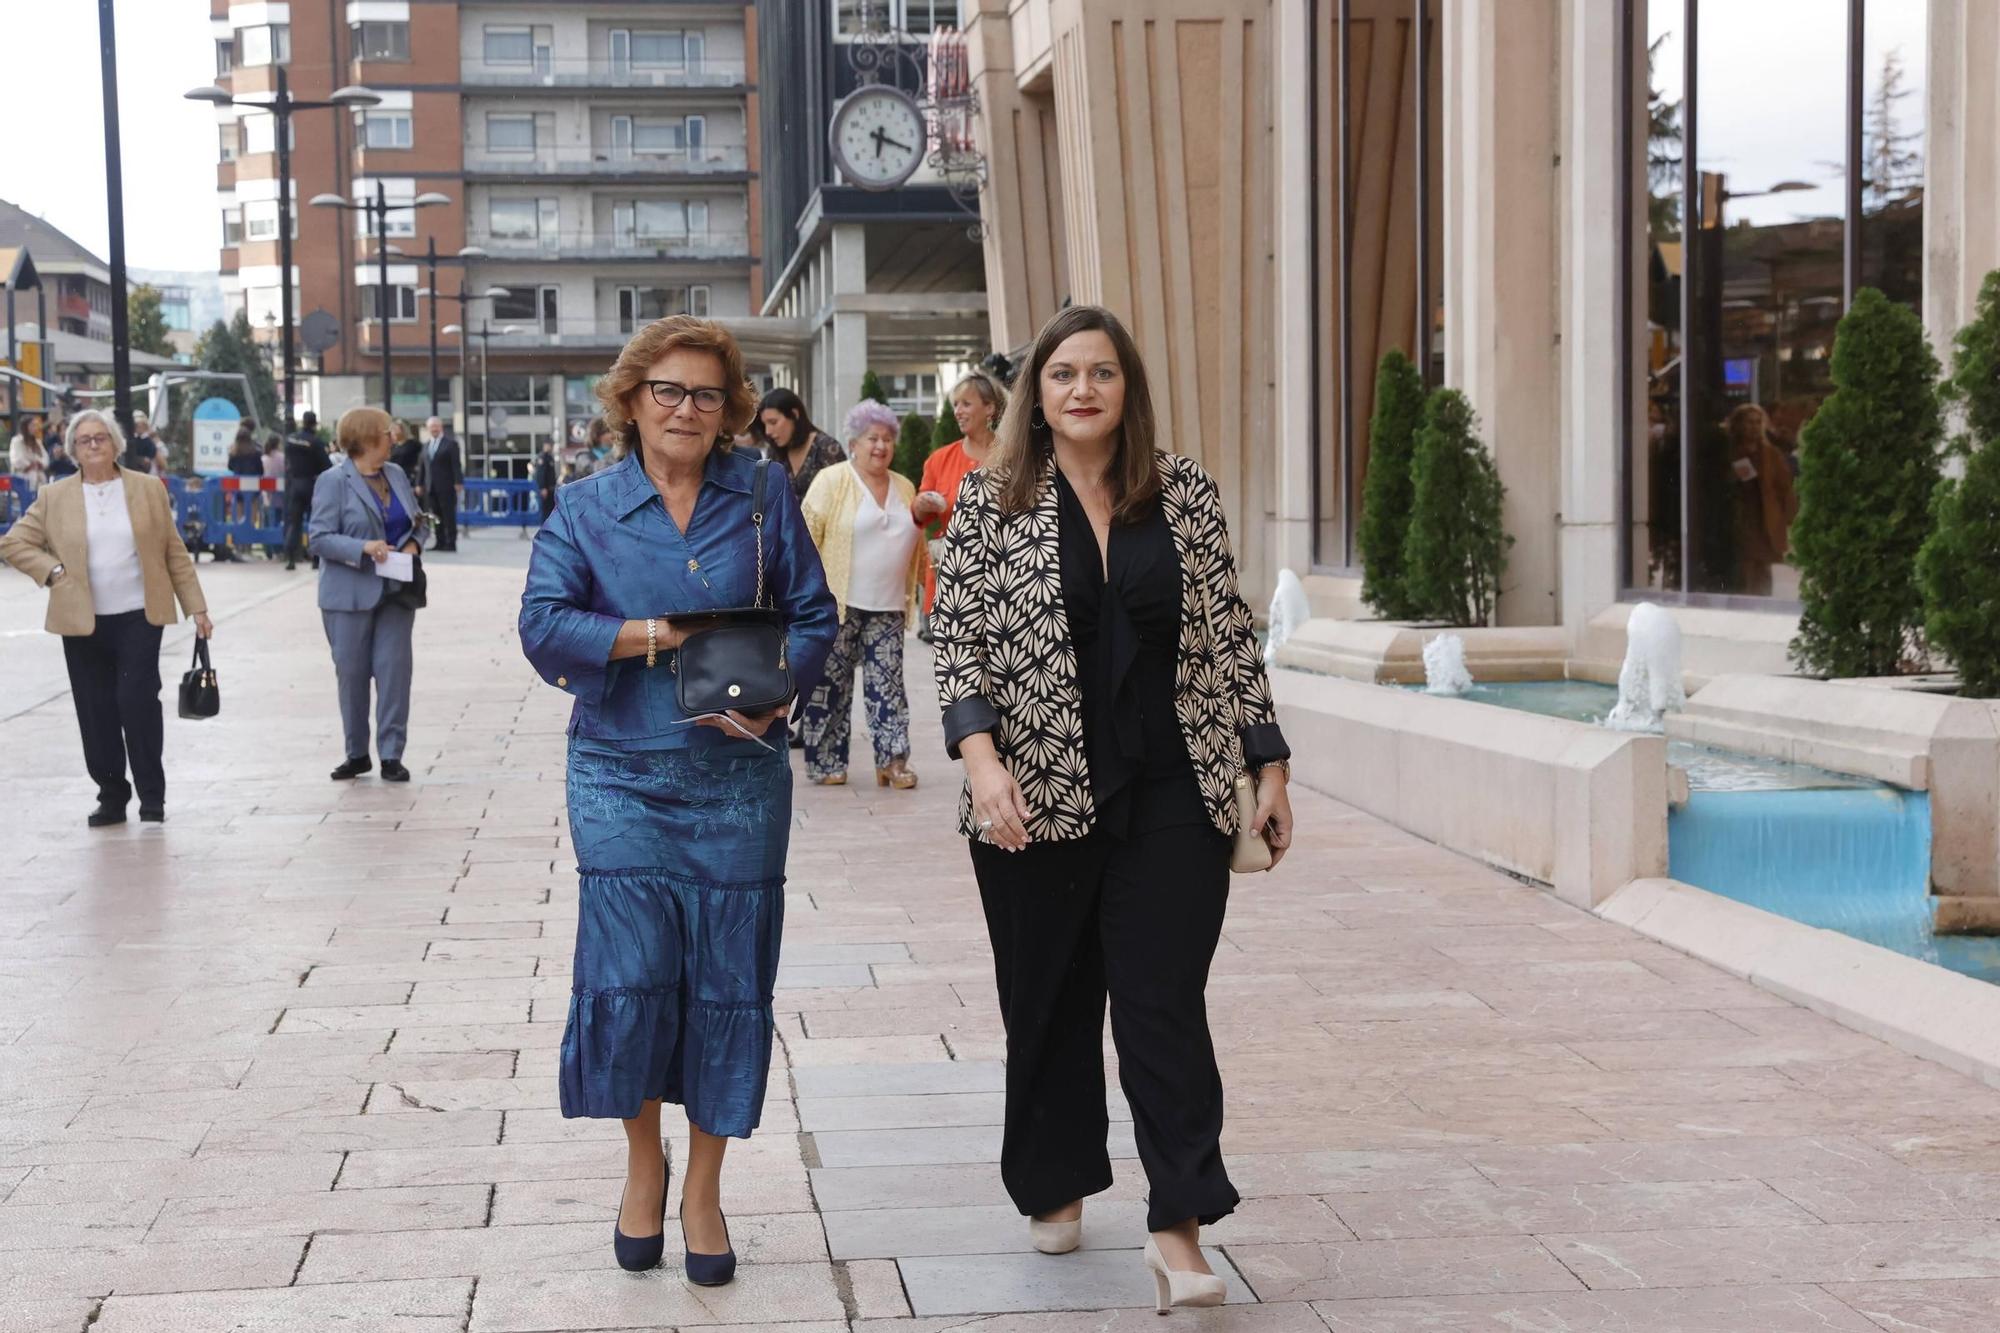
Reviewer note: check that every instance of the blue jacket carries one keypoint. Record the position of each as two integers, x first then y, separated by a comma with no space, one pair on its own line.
610,553
345,517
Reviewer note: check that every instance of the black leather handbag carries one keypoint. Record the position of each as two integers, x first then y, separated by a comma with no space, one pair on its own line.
414,594
738,661
200,695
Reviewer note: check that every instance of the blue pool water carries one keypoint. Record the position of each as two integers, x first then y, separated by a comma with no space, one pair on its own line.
1822,848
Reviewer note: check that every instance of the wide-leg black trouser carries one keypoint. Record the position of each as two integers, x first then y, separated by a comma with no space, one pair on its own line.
114,680
1138,920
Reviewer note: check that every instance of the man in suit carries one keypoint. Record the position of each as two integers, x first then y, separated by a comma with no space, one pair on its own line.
545,480
305,459
443,478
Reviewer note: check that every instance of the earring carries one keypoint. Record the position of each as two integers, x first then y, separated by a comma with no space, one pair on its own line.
1036,419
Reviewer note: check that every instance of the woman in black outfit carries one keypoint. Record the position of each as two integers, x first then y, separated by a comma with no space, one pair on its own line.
1101,680
788,436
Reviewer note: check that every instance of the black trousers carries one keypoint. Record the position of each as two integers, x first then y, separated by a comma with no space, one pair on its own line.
1138,920
298,508
114,678
443,501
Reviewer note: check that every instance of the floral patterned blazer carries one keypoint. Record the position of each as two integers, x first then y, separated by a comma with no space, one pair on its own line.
1006,665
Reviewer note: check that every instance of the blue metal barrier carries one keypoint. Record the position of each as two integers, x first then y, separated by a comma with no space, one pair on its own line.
16,494
246,511
499,502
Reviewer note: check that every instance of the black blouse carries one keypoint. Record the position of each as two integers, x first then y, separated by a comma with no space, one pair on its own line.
822,452
1125,624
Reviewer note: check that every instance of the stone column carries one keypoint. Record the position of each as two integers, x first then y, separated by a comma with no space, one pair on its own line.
1292,204
1502,141
847,273
1962,167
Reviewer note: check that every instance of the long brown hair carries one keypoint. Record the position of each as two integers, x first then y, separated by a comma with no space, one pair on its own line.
662,336
1021,446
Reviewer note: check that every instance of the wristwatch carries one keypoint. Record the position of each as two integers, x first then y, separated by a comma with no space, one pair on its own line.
54,574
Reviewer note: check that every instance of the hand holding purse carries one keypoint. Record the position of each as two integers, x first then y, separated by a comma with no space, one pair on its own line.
200,695
738,661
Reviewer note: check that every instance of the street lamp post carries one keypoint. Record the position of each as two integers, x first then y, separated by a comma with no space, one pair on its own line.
280,107
377,211
431,265
462,331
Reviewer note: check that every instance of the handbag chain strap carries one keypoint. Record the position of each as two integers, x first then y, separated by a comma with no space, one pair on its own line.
757,491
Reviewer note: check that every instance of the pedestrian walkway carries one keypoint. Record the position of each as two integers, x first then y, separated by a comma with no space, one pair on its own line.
289,1063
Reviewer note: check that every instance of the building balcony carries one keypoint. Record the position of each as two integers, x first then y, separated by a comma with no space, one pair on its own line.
585,163
588,75
594,246
567,334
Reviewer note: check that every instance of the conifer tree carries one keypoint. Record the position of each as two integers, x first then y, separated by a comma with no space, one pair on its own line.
913,446
1386,492
1959,566
1456,549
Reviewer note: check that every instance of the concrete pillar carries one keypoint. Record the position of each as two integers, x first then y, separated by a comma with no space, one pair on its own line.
1291,534
1592,254
1962,166
847,274
1502,137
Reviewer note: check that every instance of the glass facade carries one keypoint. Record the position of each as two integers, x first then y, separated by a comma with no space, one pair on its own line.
1754,239
1377,233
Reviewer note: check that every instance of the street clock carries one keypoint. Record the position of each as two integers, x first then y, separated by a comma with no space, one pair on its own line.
878,137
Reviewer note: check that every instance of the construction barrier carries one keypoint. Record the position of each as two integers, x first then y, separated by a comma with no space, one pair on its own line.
16,494
498,502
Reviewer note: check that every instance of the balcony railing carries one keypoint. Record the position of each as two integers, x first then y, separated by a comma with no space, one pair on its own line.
578,73
714,159
570,333
592,245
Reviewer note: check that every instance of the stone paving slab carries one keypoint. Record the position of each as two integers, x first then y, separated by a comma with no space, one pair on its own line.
288,1063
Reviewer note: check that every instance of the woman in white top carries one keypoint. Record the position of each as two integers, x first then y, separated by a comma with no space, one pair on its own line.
103,543
858,513
26,457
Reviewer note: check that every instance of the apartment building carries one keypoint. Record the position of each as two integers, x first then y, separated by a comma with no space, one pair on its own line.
599,161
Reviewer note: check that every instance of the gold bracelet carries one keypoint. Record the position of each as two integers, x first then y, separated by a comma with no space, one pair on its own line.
652,643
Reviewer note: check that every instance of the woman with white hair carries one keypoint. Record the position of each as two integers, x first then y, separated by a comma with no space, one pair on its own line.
103,543
858,513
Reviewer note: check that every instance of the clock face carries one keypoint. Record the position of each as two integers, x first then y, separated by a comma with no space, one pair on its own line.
878,138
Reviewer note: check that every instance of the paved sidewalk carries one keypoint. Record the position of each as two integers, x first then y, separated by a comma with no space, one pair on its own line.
289,1063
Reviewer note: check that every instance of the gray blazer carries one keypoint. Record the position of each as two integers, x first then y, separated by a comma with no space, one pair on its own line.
345,517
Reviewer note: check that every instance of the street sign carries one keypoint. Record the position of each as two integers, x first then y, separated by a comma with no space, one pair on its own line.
215,423
319,331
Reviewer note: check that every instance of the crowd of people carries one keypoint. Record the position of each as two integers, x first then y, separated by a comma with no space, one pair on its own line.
1096,670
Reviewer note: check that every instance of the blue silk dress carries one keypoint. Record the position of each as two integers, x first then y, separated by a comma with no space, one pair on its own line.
680,831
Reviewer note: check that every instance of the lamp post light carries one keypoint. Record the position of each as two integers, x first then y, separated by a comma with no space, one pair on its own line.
485,335
430,290
280,107
377,211
464,335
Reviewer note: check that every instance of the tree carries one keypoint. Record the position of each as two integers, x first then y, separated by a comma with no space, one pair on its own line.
946,431
233,349
1892,152
913,446
1959,566
1456,549
1663,152
1868,463
1386,491
146,325
871,387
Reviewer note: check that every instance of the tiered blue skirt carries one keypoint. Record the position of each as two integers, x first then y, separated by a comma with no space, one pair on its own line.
682,906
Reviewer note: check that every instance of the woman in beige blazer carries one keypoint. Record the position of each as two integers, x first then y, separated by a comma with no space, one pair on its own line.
103,543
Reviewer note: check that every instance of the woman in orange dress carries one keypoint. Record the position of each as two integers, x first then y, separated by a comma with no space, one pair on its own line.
978,400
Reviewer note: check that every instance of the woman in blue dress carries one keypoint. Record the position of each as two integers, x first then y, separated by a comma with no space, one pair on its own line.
680,825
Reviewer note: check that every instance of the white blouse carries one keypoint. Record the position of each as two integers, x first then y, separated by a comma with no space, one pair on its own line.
885,541
116,583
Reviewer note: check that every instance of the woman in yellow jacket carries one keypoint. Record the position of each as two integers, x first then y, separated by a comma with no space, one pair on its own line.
858,513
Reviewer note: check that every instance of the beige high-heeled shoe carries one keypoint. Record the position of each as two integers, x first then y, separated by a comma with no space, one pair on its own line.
1055,1237
1172,1287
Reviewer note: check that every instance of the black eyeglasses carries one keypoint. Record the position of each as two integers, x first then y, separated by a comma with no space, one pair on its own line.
671,395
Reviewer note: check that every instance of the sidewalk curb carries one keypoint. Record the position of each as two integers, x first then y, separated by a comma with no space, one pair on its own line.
1914,1006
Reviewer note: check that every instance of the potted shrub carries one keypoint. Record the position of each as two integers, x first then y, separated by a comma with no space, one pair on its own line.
1386,493
1456,549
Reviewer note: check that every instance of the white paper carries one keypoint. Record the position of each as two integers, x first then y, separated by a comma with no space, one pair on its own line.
400,566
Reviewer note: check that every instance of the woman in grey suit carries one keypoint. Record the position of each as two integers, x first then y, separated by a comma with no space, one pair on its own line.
363,510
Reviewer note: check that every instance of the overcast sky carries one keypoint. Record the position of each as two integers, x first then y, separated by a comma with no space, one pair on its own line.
52,96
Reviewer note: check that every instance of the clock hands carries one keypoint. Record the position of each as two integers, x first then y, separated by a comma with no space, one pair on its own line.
882,139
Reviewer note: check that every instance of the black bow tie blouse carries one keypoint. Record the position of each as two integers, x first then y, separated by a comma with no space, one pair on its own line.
1125,621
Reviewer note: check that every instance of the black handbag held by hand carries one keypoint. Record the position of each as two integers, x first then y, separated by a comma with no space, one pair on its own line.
414,594
200,695
738,663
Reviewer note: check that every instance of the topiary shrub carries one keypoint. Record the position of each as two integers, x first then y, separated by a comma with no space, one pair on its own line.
1386,492
1959,566
871,387
946,431
1868,463
913,446
1456,548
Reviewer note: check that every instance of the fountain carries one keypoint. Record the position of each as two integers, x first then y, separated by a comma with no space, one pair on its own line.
1289,610
1444,666
1649,682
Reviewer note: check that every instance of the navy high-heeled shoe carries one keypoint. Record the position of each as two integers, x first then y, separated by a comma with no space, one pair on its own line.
710,1270
638,1254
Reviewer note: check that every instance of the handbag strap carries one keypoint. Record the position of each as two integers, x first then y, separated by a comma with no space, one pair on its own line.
201,654
759,486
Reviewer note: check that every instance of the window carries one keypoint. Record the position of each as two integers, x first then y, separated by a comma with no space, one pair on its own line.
520,395
260,221
402,303
510,46
638,306
535,307
659,50
232,227
648,221
381,40
698,300
260,133
513,219
398,191
231,137
1376,241
921,17
265,44
697,131
917,17
659,136
225,55
263,305
1748,268
510,134
386,129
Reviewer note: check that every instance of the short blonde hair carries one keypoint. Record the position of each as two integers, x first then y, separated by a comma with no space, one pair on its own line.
361,426
674,333
987,387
